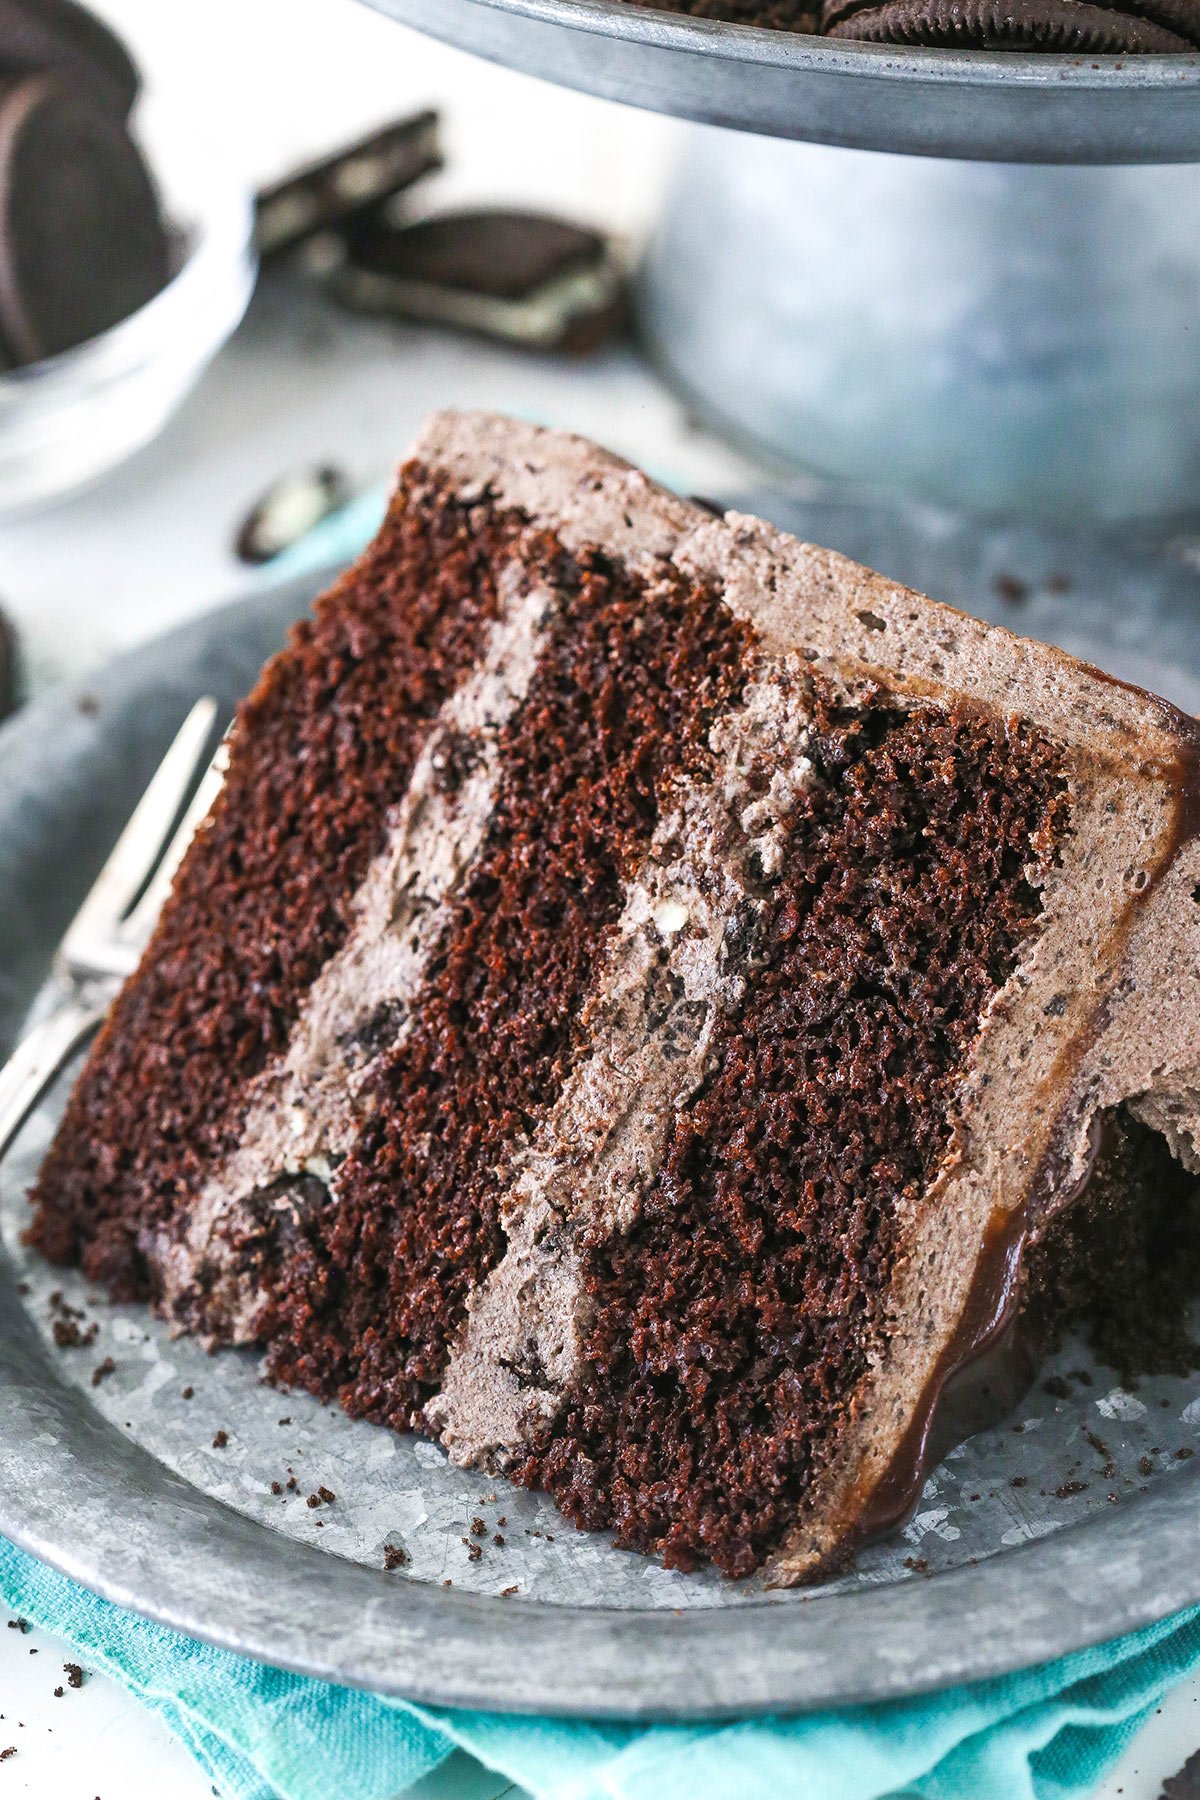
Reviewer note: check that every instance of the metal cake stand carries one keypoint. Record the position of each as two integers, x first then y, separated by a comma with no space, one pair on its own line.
1006,107
1028,1542
1020,339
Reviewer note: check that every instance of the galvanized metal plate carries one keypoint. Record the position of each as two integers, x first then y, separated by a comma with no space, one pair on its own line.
1074,1520
995,106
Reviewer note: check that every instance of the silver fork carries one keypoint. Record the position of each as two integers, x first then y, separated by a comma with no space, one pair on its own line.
105,940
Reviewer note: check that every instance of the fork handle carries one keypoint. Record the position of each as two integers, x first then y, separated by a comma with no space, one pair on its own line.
38,1058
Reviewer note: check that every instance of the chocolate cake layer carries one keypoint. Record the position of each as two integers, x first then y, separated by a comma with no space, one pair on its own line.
647,985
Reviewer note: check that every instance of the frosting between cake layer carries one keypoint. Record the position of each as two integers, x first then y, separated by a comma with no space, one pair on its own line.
669,975
306,1110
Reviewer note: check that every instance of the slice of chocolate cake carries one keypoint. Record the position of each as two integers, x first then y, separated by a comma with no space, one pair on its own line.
644,988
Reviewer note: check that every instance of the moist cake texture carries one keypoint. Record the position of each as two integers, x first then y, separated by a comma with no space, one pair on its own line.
647,991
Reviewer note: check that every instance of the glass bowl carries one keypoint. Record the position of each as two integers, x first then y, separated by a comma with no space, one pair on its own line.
68,419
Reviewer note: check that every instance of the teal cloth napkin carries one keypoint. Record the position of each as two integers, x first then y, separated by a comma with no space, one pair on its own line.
1048,1733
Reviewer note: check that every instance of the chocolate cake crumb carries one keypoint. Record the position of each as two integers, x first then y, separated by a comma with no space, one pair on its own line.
1010,588
10,1751
70,1335
323,1497
1069,1489
1057,1387
1019,1481
478,1527
186,1393
21,1625
1184,1452
58,1693
1145,1465
498,1540
394,1557
514,1589
277,1487
220,1439
103,1370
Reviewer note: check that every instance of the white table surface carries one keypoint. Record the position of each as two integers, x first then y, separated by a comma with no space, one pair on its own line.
152,545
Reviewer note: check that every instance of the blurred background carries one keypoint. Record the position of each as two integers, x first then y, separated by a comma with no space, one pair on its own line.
253,92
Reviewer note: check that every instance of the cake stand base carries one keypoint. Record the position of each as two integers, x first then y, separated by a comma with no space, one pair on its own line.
1006,338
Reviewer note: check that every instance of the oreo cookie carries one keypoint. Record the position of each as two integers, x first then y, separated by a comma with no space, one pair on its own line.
524,278
1062,27
778,15
82,243
327,194
38,35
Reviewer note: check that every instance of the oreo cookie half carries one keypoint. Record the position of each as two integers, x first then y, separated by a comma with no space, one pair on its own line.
1062,27
82,243
58,34
777,15
525,278
327,194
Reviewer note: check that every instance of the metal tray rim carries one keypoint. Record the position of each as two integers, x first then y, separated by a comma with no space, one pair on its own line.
734,42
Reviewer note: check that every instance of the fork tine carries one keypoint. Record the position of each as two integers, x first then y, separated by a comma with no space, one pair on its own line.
141,843
138,926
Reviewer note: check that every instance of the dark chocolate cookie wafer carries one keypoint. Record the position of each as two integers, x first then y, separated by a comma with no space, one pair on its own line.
523,277
778,15
1053,26
82,243
329,193
58,34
